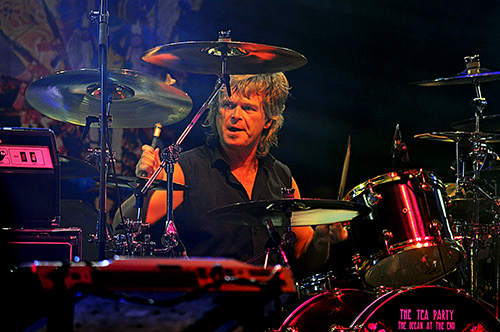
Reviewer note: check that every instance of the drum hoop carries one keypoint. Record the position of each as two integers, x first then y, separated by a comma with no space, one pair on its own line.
391,177
403,246
365,315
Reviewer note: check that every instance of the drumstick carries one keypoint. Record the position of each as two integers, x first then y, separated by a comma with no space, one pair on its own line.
156,134
343,179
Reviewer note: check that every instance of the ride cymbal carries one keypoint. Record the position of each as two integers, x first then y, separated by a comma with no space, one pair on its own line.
138,100
459,136
304,212
206,57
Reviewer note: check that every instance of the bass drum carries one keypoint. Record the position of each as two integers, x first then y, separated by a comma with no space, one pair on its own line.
327,311
426,308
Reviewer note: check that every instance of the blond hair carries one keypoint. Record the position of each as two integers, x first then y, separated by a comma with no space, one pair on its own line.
274,90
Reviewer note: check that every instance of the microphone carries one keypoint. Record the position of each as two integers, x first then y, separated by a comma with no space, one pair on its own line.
399,150
154,142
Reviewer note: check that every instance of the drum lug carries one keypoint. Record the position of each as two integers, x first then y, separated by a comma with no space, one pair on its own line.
426,186
382,290
356,259
387,236
373,198
340,328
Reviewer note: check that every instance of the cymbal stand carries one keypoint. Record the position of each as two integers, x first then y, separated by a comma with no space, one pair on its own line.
102,16
170,239
479,154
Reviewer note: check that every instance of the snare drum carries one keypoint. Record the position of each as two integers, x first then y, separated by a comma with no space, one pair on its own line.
407,239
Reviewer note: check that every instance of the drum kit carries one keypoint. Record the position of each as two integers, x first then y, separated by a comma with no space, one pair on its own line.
404,237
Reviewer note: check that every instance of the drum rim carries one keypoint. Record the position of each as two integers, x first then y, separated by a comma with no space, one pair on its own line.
391,177
373,260
336,292
362,318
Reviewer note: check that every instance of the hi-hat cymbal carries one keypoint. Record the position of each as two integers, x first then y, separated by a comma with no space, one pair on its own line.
460,136
305,212
138,100
242,58
488,123
483,75
133,182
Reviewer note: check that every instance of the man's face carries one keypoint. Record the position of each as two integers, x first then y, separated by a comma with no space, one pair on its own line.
241,121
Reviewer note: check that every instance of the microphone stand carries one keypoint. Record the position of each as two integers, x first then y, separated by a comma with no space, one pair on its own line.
170,155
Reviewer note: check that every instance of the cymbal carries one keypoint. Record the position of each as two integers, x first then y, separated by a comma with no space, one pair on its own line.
242,58
138,100
483,75
72,168
459,136
133,182
305,212
488,123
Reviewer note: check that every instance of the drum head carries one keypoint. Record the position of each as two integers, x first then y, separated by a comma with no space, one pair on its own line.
417,264
328,310
426,308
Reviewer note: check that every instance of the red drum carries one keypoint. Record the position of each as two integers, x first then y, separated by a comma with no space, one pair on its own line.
330,309
424,308
407,239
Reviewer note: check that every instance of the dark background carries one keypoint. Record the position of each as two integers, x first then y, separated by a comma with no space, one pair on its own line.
362,57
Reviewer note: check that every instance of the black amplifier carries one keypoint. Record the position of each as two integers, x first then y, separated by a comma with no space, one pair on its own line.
30,179
28,245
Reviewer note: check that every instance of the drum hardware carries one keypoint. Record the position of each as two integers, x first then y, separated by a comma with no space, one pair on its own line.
408,206
430,308
125,242
472,145
387,237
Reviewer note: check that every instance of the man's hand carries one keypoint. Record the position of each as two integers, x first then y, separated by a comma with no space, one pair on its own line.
149,161
332,233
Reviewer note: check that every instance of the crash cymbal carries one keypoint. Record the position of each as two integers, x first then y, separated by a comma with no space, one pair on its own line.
138,100
459,136
483,75
134,182
305,212
72,168
242,58
489,123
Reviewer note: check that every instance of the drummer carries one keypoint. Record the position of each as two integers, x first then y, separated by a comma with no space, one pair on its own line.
235,166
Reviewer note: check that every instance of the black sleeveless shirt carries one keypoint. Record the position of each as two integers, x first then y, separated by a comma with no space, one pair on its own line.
212,185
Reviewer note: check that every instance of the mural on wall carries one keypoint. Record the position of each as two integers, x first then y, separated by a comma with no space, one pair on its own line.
42,37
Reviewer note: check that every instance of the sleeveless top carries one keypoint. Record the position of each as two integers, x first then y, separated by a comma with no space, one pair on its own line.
212,185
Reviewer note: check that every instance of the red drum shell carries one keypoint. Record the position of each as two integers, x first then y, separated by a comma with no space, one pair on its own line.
330,309
426,308
409,212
